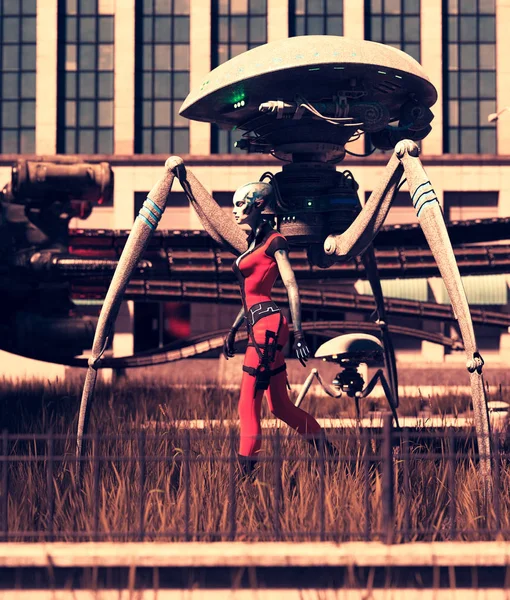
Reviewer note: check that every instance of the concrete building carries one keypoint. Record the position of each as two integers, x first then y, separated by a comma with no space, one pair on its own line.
105,79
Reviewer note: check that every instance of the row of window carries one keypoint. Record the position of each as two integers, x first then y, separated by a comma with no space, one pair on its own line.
86,66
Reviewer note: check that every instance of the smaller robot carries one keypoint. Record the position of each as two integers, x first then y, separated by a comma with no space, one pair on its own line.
349,351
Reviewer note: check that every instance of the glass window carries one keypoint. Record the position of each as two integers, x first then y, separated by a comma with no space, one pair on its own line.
105,33
105,85
86,114
237,26
162,85
470,56
395,23
105,114
316,17
86,37
162,75
10,114
17,76
71,113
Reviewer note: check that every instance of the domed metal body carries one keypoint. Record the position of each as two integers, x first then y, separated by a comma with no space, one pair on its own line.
353,347
369,83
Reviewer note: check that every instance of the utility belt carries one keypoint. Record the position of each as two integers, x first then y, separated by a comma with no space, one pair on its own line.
267,350
260,310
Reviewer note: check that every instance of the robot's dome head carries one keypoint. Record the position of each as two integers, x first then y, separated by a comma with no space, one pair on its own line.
310,94
352,347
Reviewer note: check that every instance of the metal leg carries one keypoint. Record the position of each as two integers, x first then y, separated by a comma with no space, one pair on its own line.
389,352
216,222
387,392
306,387
366,225
142,230
431,219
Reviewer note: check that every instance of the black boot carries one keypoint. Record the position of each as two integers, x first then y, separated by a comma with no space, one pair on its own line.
246,466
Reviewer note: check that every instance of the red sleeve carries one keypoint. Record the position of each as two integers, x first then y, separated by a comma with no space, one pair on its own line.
277,243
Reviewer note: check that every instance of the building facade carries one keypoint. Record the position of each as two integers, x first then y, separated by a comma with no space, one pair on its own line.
105,79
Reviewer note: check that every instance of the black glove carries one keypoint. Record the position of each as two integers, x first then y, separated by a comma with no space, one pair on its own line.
229,344
300,348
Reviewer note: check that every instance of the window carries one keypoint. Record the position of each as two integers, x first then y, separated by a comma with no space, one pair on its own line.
85,77
316,17
17,81
469,76
470,205
395,23
237,26
161,76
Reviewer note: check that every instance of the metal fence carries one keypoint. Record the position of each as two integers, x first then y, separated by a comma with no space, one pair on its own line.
393,485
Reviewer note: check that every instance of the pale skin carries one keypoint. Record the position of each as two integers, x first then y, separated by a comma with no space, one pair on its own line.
248,215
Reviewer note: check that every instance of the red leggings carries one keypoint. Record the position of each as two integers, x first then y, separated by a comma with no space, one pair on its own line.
278,399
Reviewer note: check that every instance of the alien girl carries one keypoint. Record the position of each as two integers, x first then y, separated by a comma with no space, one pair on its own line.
264,366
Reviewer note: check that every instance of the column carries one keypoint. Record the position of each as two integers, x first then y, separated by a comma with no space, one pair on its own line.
354,27
46,78
123,340
200,66
504,348
124,103
503,73
124,197
277,20
432,62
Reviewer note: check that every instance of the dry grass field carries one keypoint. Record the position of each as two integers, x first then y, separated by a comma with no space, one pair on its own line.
161,483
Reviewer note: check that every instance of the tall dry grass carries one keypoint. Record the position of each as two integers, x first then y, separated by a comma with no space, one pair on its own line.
186,486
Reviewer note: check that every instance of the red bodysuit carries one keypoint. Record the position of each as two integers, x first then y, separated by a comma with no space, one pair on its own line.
257,271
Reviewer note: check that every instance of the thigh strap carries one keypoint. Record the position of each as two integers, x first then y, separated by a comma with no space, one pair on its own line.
253,371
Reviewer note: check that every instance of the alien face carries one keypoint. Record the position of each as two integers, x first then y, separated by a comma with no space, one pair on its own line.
249,200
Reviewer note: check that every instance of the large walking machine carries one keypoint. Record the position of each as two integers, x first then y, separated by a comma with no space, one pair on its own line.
303,99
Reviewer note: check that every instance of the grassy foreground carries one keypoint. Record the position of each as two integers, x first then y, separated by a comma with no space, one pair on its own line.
185,487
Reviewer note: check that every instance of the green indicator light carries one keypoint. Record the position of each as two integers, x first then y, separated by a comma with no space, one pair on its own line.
398,76
315,69
310,203
382,72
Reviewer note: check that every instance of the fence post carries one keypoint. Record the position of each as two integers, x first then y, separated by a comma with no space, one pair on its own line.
142,472
406,491
187,475
496,453
50,491
387,480
95,484
232,485
366,482
452,508
4,517
322,490
277,484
